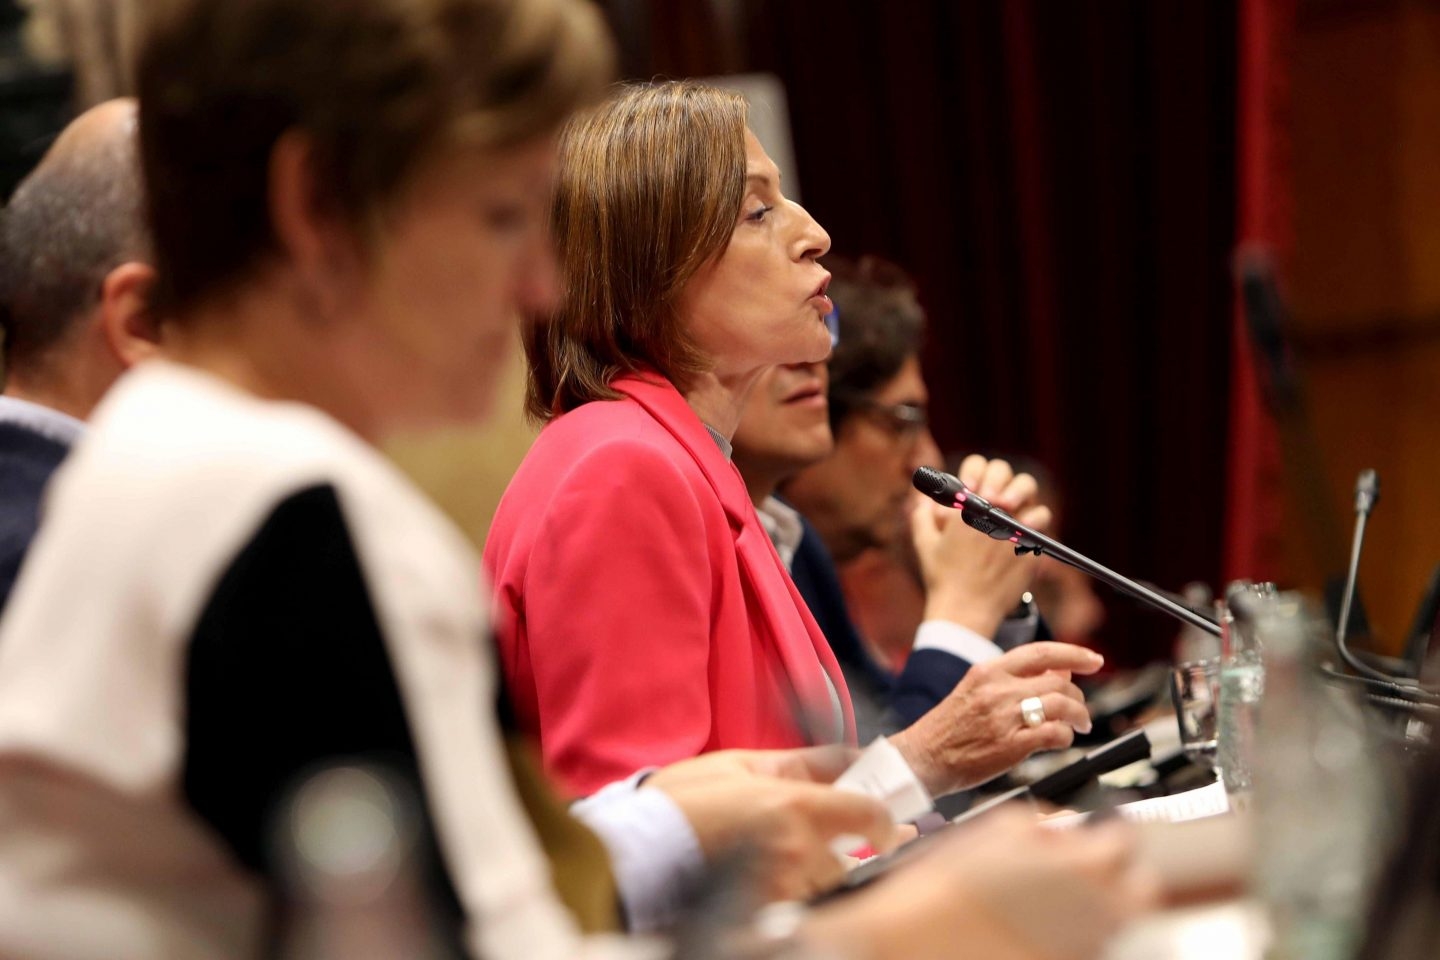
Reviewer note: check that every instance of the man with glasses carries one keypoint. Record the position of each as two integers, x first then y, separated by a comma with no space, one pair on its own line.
838,443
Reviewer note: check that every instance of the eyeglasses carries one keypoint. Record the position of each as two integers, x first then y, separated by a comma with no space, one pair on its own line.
905,420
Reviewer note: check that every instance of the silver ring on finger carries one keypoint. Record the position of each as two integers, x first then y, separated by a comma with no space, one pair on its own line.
1032,711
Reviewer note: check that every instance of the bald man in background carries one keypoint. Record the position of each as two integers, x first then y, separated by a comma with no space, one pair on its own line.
74,307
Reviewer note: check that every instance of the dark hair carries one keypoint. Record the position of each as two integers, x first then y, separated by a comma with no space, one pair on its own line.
375,85
881,326
649,189
71,222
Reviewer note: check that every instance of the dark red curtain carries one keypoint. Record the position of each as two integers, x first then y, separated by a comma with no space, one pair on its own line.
1265,218
1060,179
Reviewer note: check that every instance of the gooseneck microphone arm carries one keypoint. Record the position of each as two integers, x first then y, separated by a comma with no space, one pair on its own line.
1380,686
1367,494
979,513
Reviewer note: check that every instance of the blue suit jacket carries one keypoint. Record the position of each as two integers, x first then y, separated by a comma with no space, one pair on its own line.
27,460
887,702
884,702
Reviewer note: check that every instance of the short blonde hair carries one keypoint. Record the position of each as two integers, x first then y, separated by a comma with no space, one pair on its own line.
374,84
649,188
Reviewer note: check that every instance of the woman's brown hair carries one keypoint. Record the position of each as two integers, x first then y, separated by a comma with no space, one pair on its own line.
649,189
375,86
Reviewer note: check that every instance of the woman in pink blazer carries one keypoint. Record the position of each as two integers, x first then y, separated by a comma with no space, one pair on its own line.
643,615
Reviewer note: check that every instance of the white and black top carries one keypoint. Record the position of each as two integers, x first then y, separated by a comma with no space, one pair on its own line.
226,592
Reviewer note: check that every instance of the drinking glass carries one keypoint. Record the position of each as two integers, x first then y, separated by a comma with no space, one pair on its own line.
1195,690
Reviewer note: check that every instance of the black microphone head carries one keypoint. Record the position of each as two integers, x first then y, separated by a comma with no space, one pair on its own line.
1367,491
930,482
1265,320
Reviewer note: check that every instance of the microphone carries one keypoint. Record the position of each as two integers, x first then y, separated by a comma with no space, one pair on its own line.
1382,688
975,510
1367,491
982,515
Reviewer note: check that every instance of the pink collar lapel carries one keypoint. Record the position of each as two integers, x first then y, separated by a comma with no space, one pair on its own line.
663,402
796,635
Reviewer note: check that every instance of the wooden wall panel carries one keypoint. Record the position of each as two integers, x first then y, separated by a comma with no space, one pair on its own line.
1365,276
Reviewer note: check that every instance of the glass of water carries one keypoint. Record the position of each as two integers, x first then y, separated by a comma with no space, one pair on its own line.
1195,689
1242,680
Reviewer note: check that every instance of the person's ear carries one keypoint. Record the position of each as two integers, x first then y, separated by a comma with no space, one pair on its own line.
314,238
126,317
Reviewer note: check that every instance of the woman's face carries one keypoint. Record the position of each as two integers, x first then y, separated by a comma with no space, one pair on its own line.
463,256
762,301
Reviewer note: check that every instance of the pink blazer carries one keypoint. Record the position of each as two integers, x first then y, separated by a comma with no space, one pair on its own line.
641,611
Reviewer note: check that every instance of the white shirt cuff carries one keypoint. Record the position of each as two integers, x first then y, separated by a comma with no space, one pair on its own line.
611,792
949,637
653,849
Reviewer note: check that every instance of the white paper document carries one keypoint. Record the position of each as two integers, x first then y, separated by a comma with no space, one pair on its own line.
1208,801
